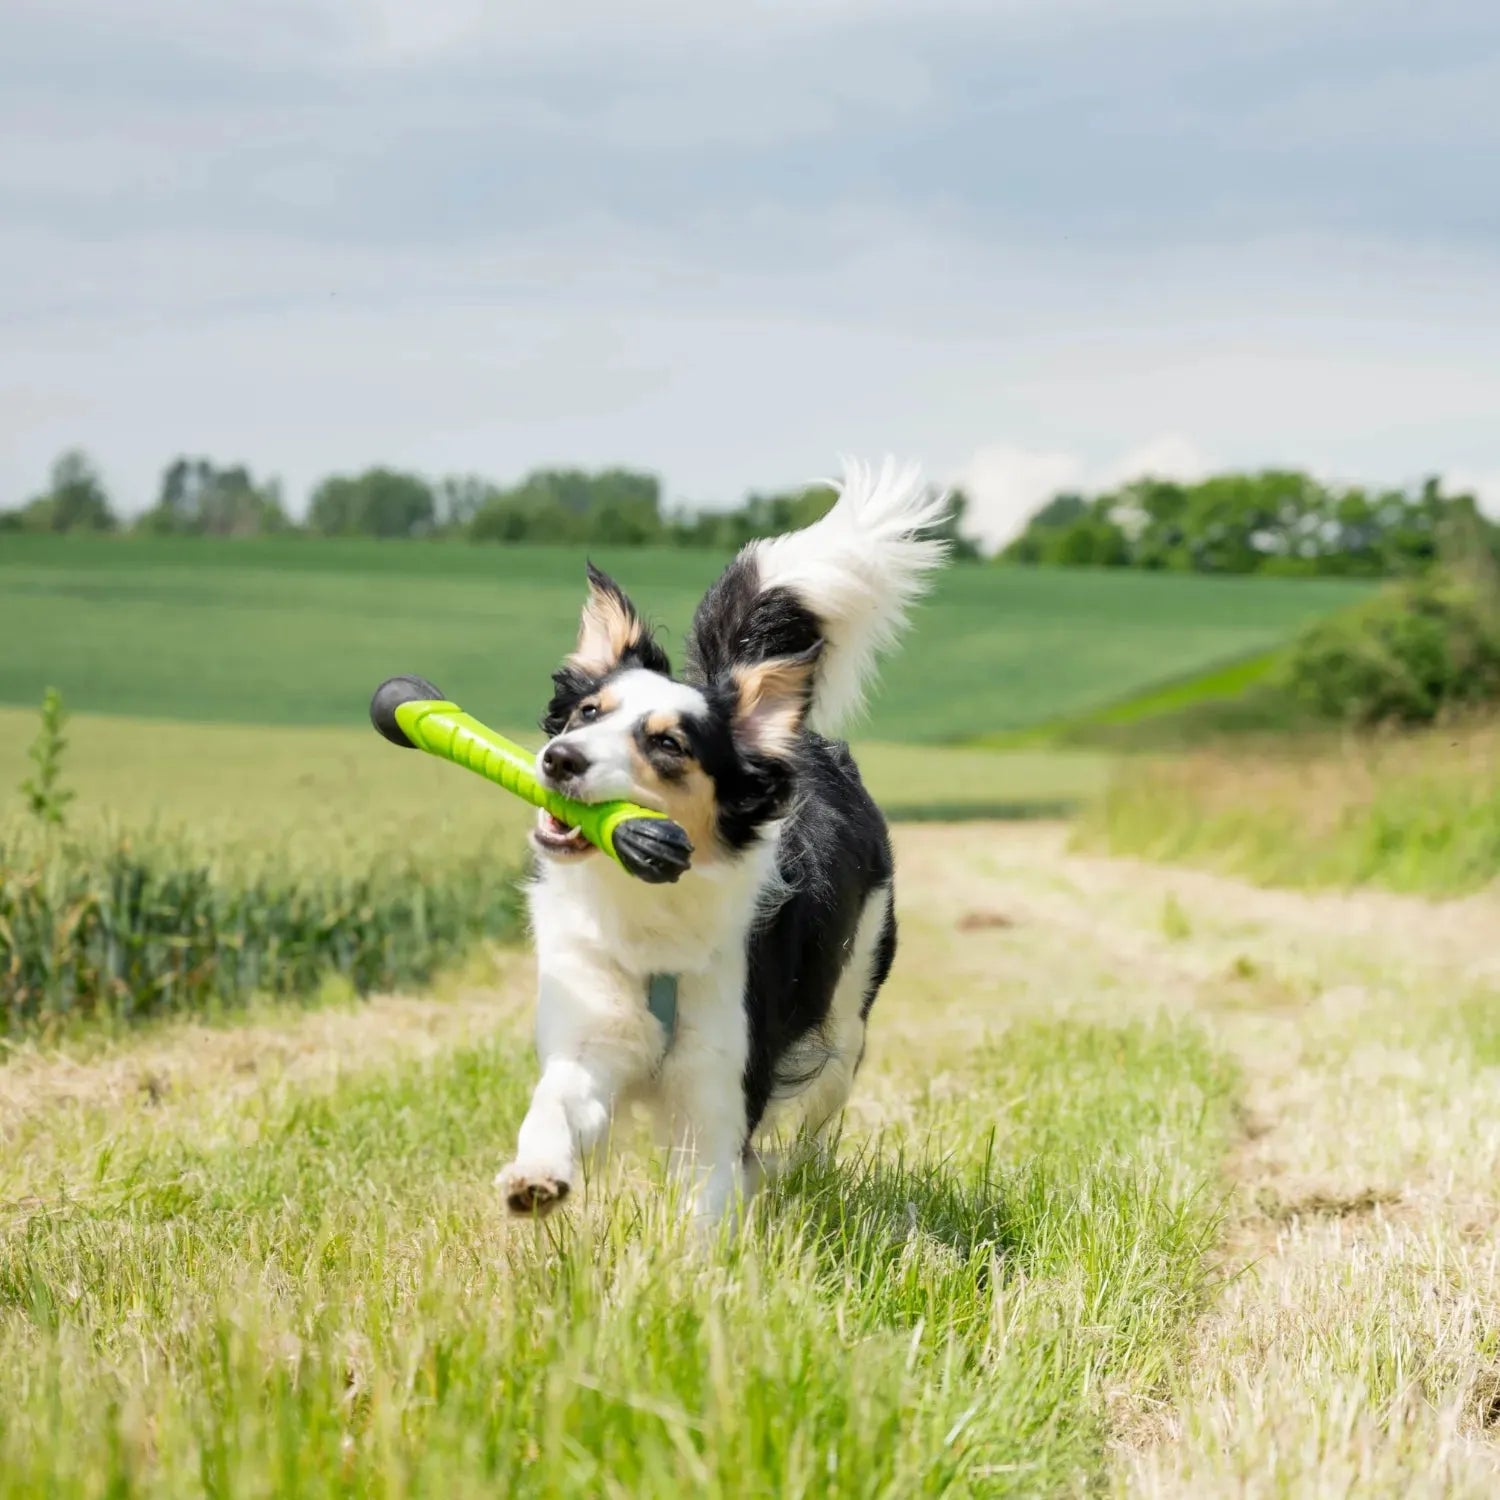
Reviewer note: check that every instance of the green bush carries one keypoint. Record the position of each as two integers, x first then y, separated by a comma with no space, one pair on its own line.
1411,654
137,927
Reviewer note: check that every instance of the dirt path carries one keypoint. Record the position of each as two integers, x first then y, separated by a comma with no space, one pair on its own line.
1356,1347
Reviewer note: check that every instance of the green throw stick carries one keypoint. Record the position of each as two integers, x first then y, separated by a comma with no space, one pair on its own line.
413,714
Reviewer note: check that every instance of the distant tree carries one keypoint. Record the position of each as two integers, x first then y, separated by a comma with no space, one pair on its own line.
1417,650
771,515
758,516
618,506
74,501
379,502
1060,512
198,499
459,498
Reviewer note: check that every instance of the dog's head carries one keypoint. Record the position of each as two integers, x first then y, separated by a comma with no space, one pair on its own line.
717,756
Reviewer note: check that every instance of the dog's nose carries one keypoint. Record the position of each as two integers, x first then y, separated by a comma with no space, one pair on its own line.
561,760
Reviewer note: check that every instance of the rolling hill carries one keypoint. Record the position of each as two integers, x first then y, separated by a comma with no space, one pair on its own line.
298,631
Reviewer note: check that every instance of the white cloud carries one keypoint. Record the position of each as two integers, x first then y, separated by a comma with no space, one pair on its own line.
1170,456
1006,483
1485,487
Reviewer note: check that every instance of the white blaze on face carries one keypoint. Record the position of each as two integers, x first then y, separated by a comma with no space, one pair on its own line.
609,742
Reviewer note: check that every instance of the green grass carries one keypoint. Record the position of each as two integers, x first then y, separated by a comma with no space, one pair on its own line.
314,1294
1182,711
130,927
1418,813
299,631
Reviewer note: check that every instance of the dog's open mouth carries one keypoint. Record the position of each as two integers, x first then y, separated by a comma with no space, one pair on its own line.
553,836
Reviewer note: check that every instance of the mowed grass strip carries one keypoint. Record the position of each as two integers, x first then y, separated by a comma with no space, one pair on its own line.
320,1296
298,630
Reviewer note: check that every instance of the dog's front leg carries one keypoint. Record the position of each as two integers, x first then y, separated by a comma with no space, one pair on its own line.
568,1119
595,1041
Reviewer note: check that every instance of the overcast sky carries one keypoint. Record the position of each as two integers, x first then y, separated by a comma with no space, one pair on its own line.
1034,243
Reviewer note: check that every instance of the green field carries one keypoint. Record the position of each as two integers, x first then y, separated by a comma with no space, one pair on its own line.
298,631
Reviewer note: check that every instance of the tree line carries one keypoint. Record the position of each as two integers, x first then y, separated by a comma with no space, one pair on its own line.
1279,521
620,507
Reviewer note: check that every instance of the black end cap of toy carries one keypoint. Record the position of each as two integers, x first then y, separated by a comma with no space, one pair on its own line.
390,695
653,849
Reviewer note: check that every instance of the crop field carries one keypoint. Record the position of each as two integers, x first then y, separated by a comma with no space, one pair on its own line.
299,631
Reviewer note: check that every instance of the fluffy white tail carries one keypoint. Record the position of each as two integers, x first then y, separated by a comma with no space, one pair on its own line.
858,570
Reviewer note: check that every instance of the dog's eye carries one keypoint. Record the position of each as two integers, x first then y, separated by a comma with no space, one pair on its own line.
588,712
668,742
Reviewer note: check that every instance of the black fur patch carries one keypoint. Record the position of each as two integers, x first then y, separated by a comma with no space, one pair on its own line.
570,686
739,624
834,852
666,764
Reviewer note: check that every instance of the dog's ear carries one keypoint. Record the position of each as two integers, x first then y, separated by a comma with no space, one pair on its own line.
611,631
771,699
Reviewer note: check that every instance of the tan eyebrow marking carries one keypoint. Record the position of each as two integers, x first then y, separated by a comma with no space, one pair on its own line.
661,723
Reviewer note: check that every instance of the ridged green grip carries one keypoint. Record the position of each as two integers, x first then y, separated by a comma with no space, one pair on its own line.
445,730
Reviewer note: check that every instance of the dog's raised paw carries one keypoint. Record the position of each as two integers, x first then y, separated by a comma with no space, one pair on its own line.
531,1193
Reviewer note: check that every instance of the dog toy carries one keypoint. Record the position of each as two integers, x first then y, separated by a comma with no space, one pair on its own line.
413,714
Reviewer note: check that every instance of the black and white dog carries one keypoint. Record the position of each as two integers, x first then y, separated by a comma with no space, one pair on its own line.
776,940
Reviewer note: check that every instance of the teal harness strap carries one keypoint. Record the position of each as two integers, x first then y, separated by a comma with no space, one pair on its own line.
661,1001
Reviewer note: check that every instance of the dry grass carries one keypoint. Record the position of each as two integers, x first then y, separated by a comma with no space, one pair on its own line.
59,1100
1417,813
